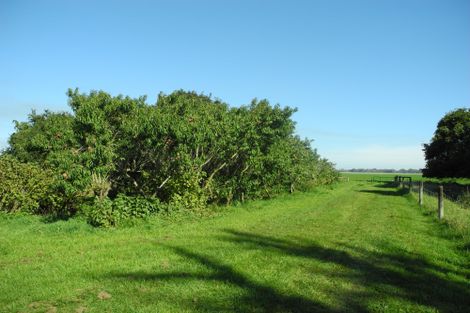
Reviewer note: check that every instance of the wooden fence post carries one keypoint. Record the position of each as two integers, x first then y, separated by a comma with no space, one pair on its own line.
421,189
440,211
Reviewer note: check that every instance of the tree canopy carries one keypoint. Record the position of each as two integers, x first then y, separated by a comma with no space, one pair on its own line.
448,153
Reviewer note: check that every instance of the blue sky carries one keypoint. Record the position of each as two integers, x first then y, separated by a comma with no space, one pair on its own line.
370,79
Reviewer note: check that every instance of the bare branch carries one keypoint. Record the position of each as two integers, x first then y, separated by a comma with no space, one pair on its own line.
164,182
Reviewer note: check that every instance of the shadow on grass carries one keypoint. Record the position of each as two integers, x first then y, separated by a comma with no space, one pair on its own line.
259,297
53,218
390,272
398,192
385,273
389,184
465,247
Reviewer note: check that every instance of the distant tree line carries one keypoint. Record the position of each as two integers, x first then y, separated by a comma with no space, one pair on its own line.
119,157
382,170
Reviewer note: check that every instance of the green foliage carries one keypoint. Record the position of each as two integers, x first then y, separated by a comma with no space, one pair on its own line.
187,192
448,154
105,212
49,141
99,186
187,150
46,139
101,213
136,207
24,186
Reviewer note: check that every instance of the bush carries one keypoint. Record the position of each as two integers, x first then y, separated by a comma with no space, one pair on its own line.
130,207
24,186
106,212
187,149
187,192
100,213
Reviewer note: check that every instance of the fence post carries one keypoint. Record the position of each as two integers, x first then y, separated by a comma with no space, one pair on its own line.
421,187
440,211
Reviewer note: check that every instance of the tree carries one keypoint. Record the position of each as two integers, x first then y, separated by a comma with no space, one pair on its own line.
448,154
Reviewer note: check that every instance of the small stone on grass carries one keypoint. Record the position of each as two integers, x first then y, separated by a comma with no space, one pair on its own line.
103,295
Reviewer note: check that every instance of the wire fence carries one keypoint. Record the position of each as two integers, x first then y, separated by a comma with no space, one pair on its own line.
453,192
448,202
452,205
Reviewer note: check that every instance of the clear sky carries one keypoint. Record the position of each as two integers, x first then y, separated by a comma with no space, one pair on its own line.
370,79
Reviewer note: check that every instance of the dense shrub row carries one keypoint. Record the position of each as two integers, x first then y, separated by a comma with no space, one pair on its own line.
23,186
113,154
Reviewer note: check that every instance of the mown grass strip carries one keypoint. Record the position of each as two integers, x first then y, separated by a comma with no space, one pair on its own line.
358,247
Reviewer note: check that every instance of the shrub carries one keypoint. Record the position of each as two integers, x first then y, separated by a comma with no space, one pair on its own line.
24,186
106,212
188,201
64,201
187,149
130,207
100,212
187,192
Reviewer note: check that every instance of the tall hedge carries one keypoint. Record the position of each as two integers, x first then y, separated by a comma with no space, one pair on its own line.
187,149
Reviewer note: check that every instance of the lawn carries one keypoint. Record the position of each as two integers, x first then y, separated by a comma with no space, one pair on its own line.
357,247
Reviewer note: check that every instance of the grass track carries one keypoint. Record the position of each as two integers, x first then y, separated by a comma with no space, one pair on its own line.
357,248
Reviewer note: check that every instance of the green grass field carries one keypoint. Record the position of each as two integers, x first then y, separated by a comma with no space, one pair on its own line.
377,176
358,247
390,176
